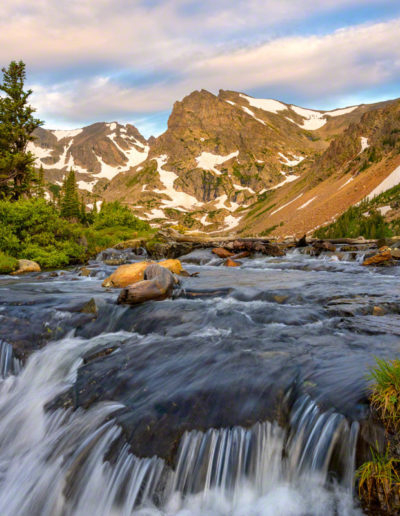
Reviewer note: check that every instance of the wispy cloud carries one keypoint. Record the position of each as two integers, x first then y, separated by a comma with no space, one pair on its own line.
116,59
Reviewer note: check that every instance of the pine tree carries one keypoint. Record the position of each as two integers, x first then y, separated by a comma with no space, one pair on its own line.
17,124
70,207
40,183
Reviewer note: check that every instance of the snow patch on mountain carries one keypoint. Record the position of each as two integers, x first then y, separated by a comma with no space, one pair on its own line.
273,106
347,182
178,199
392,180
287,204
240,187
291,163
312,119
364,144
220,203
250,112
339,112
60,134
208,161
133,155
38,152
307,203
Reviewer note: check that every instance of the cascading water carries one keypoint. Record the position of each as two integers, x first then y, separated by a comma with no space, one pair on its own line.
54,464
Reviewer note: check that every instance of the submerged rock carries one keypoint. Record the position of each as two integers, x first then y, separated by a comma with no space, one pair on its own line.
26,266
158,284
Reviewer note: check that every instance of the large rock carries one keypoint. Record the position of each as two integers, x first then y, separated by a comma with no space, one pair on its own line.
232,263
26,266
172,265
132,273
322,247
158,284
126,275
221,252
382,258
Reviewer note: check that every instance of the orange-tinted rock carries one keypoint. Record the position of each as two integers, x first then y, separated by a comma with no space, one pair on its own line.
231,263
172,265
384,255
26,266
126,275
132,273
221,252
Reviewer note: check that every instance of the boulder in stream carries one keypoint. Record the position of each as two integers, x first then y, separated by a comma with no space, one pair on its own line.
26,266
383,257
158,284
132,273
221,252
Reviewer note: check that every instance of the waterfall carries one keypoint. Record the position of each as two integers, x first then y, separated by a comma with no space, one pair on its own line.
57,463
8,363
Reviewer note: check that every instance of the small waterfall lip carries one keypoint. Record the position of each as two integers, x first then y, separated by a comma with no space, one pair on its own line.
9,364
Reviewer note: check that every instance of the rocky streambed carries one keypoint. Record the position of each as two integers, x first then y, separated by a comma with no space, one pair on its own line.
245,393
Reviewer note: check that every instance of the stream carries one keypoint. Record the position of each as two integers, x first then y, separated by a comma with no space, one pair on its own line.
244,395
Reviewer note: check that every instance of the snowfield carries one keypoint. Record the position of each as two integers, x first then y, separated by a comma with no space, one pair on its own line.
312,119
291,163
67,133
364,144
178,199
392,180
208,161
273,106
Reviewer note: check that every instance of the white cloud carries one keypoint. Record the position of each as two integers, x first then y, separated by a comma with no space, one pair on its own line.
182,45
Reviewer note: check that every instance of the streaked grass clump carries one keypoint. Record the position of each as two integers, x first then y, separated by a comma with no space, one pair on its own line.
379,480
385,397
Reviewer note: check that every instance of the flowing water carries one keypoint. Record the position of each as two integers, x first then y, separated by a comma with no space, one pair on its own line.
244,395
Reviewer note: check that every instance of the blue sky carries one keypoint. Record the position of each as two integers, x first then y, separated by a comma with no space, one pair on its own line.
131,60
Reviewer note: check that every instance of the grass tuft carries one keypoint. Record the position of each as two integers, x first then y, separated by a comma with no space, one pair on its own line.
385,397
378,479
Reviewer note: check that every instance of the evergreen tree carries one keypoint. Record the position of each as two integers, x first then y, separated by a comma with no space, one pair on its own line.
70,207
82,214
17,124
40,183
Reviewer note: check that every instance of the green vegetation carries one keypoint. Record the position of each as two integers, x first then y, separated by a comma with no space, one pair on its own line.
56,233
379,478
385,397
17,123
364,219
7,263
34,229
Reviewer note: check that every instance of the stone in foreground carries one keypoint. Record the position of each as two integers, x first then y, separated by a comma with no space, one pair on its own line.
157,285
132,273
381,258
26,266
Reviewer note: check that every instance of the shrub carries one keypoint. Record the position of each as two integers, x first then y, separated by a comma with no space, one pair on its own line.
7,264
385,397
379,479
114,214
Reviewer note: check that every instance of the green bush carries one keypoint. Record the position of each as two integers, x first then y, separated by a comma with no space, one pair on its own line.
114,214
7,263
352,224
33,229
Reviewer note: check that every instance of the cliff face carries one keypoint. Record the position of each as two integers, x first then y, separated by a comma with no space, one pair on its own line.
232,162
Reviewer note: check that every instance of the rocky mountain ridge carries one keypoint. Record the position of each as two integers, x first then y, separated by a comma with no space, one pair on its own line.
227,163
